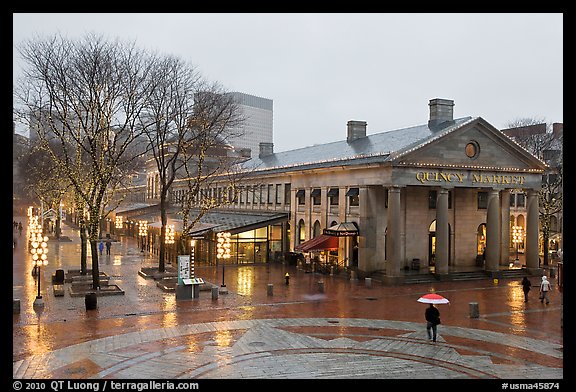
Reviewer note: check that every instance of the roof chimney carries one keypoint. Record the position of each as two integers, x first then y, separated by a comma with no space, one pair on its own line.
265,149
356,130
441,110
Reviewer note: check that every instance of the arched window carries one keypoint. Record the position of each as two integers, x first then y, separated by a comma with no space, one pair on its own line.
301,231
317,230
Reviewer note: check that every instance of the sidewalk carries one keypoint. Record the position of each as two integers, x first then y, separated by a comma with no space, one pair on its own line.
346,331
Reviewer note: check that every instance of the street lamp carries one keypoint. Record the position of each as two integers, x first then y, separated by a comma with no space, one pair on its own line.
39,251
223,249
142,232
169,239
517,237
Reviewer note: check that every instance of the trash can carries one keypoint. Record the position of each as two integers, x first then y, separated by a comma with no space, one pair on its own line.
91,301
474,310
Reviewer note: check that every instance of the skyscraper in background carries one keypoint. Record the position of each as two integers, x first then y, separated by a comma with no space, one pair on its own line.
258,126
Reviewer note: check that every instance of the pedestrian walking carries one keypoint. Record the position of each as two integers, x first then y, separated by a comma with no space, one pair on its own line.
108,245
20,228
101,247
545,287
526,284
432,316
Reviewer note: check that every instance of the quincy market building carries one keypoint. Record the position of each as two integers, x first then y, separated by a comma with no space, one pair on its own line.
438,193
433,197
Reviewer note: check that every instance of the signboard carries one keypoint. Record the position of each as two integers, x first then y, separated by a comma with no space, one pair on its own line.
193,281
186,267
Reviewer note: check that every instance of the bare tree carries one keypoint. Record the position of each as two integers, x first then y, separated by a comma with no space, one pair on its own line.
535,136
86,95
165,124
208,160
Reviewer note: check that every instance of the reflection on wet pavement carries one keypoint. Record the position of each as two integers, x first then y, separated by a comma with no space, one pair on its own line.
507,331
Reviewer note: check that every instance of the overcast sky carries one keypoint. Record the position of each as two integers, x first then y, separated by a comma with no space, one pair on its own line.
322,70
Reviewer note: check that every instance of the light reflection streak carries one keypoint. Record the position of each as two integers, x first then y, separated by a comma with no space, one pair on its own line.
245,281
223,338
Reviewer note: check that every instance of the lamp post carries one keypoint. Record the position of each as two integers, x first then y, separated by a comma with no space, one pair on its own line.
223,250
39,250
169,238
517,237
142,232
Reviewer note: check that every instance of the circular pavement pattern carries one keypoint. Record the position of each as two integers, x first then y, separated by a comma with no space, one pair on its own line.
307,348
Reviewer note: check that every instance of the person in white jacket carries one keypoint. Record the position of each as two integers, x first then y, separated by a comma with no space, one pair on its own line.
545,287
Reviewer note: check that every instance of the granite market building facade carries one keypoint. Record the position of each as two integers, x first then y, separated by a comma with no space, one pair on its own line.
433,197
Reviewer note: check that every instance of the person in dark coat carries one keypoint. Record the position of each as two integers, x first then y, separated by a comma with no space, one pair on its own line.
108,245
432,316
526,284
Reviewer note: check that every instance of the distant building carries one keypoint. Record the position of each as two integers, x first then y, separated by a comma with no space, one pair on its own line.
258,125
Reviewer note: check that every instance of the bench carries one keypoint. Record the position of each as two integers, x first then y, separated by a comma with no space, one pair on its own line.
58,290
58,277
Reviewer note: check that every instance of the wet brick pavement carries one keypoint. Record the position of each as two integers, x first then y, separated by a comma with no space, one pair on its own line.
347,331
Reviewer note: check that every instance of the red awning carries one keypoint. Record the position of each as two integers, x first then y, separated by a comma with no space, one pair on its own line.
321,242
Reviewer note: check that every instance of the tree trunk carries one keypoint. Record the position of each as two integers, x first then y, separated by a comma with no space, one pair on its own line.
164,220
93,224
95,269
545,236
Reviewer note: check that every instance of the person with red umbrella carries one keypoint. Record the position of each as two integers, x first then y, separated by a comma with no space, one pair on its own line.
432,314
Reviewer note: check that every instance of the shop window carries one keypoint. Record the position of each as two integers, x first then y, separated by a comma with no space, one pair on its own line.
315,194
482,200
433,197
521,200
333,194
353,197
301,197
287,190
278,193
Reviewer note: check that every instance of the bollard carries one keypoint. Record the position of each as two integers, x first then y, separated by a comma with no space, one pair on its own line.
368,282
321,286
331,270
270,290
474,311
287,277
15,306
91,301
214,292
353,275
552,272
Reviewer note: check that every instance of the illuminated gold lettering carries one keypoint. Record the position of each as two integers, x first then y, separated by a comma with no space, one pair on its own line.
460,177
476,178
506,179
522,178
420,177
445,176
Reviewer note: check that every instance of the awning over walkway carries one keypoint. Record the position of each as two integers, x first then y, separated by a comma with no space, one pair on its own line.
321,242
345,229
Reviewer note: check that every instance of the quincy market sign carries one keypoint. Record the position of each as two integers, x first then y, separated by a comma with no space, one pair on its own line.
467,179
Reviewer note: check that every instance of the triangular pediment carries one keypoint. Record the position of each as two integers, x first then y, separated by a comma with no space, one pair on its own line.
474,145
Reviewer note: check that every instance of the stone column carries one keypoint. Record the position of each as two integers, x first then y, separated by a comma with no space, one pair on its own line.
293,220
393,243
505,219
531,250
493,231
442,232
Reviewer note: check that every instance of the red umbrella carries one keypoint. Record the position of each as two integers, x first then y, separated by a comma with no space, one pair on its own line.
433,299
